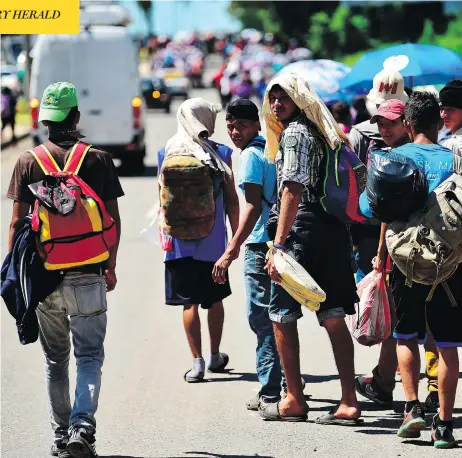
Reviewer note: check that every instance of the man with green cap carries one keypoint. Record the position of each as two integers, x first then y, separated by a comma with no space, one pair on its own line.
79,304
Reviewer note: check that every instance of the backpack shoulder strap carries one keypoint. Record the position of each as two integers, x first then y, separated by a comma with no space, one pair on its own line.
45,160
75,159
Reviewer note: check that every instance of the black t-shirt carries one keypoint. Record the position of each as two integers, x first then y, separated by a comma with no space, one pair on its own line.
97,170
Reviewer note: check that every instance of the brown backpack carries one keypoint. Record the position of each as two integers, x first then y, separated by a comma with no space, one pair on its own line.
187,197
428,248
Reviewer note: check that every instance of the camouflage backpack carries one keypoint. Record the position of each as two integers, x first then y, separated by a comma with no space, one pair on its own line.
428,248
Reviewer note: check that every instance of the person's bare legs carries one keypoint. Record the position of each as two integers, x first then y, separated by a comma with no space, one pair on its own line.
388,360
286,335
342,346
448,376
192,326
409,365
216,318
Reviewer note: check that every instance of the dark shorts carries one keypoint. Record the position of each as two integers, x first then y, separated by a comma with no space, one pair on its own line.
413,313
322,246
188,281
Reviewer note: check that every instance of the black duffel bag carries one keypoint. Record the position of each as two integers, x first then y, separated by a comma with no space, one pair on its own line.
396,187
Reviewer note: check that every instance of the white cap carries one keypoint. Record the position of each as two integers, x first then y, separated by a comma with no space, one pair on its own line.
388,84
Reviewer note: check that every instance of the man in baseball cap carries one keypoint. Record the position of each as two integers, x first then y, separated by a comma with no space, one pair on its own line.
57,101
451,112
390,123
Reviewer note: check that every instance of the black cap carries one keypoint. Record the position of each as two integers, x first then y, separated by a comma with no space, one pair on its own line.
451,94
242,109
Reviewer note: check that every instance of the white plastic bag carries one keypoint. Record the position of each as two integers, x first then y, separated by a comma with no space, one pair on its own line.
151,233
371,324
154,234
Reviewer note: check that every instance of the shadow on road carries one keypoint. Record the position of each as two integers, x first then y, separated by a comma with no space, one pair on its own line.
422,443
375,432
320,378
192,455
236,377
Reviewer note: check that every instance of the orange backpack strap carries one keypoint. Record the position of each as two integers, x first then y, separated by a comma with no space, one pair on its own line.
45,160
75,159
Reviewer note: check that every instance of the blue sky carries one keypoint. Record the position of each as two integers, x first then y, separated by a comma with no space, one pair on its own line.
173,16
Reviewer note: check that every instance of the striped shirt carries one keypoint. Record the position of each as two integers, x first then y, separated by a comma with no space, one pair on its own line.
300,158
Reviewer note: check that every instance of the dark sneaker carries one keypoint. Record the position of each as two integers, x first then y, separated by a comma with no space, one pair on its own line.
432,403
59,447
442,436
220,364
367,387
81,444
414,422
64,454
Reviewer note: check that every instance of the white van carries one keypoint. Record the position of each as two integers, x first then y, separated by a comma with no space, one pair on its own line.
102,62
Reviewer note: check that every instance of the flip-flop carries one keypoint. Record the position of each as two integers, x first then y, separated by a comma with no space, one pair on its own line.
331,419
271,413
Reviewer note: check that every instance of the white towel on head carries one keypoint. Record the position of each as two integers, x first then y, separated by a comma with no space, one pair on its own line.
310,103
196,116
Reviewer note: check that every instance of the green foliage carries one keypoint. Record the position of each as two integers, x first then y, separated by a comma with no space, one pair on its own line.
338,31
286,18
452,39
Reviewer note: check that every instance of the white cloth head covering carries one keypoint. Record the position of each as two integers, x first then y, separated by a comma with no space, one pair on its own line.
195,117
310,103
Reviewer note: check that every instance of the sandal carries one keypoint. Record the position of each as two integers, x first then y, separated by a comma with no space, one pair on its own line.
331,419
271,413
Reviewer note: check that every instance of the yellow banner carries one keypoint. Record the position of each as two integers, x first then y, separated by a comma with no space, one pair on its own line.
40,16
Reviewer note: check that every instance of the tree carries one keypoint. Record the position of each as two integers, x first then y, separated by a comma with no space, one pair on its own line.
288,18
147,7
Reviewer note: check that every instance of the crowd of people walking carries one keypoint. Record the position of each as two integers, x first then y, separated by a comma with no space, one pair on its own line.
281,175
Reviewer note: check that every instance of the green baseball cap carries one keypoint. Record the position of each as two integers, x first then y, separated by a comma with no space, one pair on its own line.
57,101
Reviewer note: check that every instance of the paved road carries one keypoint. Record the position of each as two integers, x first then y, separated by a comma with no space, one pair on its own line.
146,409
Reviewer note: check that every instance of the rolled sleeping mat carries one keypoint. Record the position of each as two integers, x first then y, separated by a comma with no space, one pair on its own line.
297,281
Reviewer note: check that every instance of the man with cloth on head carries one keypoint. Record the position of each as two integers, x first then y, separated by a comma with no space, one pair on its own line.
189,262
298,127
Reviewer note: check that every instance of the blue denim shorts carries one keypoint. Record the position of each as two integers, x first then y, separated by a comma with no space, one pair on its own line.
285,309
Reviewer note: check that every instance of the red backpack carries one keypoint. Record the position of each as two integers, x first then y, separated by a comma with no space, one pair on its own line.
73,227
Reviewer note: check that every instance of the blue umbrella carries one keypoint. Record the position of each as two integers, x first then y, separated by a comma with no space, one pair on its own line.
323,75
419,64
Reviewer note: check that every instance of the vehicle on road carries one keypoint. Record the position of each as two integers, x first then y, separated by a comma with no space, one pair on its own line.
177,82
102,62
156,93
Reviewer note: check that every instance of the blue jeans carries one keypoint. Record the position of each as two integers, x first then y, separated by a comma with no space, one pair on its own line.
77,306
258,293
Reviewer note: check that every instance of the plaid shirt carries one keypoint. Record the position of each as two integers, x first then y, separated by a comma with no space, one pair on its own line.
299,159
